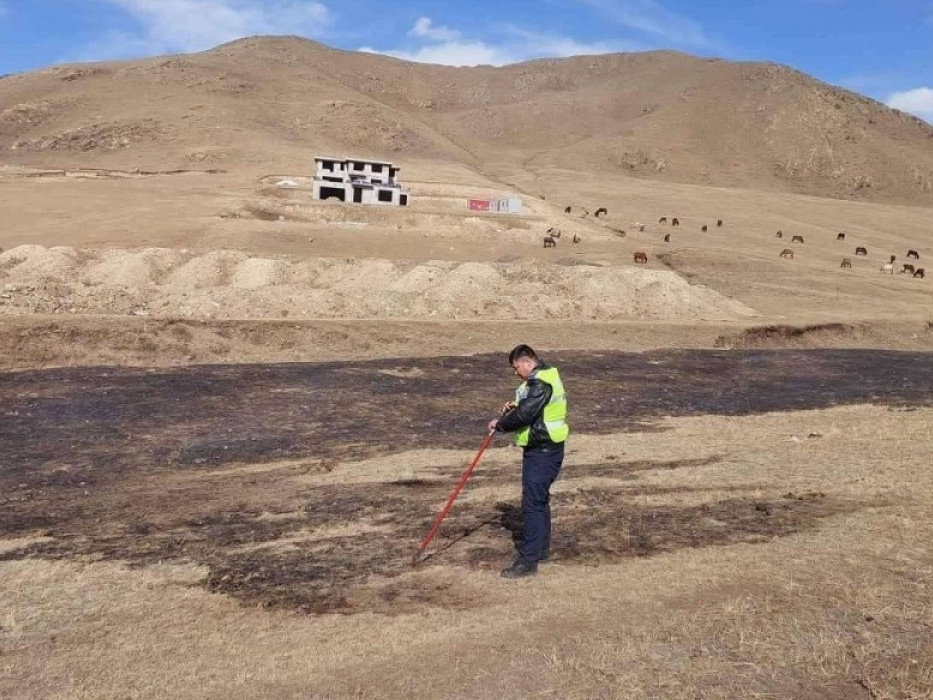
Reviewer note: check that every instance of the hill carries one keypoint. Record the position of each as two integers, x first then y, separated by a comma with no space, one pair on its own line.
269,103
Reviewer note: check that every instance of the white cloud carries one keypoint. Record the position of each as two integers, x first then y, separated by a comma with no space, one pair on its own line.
425,29
918,102
454,53
446,46
651,18
194,25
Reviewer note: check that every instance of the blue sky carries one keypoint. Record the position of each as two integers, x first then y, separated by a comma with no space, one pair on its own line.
882,48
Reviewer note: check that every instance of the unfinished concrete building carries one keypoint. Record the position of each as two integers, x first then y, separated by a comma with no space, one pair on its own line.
358,181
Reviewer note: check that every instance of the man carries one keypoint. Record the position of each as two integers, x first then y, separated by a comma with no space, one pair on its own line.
538,419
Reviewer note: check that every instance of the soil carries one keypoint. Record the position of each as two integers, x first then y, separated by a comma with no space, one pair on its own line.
134,465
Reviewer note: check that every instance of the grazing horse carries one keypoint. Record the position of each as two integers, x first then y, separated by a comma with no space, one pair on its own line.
908,268
662,220
603,210
667,238
640,226
567,210
840,236
641,257
704,228
787,253
675,221
846,262
555,232
576,238
919,273
719,223
888,268
549,242
796,239
779,234
913,254
861,251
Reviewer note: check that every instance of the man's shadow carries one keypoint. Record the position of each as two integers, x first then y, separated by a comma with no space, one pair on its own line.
509,518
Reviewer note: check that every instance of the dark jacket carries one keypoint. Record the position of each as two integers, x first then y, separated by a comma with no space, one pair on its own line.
530,411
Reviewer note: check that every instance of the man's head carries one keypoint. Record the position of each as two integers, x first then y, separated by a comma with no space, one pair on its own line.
523,361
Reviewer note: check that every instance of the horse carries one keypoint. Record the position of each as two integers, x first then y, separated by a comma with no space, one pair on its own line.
846,262
601,209
887,268
840,236
779,234
908,268
576,238
719,223
641,257
787,253
913,254
919,273
662,220
861,251
675,221
704,228
667,238
549,242
796,239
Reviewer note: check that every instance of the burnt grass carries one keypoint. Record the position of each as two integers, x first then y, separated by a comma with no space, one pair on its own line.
128,464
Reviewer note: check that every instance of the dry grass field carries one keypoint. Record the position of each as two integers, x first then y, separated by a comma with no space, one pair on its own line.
228,413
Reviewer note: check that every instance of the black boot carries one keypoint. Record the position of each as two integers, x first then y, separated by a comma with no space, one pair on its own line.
519,569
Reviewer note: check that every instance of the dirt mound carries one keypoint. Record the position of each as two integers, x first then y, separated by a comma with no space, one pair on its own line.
31,263
231,284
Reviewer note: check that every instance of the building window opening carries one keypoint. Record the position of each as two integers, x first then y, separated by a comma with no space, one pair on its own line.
385,195
338,192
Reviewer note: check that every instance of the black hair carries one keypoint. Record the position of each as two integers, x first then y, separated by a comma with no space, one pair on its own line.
520,351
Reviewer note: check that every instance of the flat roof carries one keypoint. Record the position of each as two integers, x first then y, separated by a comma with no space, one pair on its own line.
358,160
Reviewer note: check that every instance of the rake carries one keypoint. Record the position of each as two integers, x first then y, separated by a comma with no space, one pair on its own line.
450,500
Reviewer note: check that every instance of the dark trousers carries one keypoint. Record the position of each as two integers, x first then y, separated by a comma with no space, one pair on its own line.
539,470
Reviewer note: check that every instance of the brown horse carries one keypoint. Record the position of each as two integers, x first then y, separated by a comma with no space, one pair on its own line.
641,257
549,242
840,236
913,254
919,273
861,251
908,269
846,262
787,253
796,239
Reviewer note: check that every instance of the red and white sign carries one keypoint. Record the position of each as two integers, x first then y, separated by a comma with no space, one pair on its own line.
478,204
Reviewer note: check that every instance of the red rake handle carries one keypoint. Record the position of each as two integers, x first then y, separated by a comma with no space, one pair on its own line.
453,496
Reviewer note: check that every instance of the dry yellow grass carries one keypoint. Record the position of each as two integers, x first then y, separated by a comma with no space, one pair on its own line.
841,610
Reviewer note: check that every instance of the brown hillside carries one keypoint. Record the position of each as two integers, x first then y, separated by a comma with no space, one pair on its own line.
272,102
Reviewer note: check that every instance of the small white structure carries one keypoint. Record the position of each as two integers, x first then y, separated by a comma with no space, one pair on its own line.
358,181
512,205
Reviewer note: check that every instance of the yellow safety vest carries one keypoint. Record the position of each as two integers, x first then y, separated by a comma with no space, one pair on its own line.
555,412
